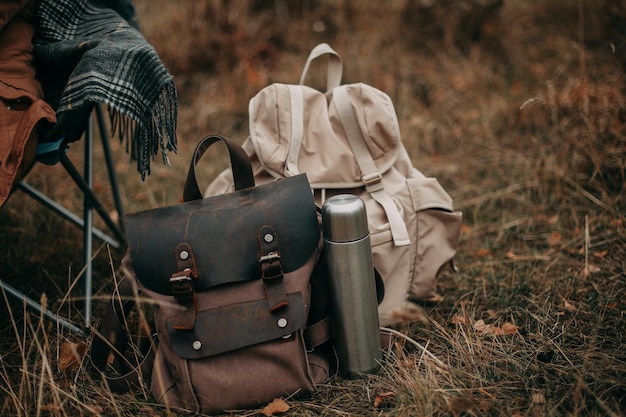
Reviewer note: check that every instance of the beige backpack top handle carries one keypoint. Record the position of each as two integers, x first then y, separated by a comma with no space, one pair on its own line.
335,66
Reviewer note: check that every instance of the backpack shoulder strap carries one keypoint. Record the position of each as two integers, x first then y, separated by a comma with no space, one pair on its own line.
371,177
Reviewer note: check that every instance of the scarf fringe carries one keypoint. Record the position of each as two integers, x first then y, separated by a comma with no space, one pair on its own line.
144,138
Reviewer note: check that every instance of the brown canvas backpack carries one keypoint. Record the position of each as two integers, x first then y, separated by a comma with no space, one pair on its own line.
241,310
347,140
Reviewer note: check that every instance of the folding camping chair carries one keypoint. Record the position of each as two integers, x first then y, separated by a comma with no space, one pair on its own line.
115,236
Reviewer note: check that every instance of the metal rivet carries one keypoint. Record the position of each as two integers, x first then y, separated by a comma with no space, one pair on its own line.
287,336
268,237
184,254
196,345
282,322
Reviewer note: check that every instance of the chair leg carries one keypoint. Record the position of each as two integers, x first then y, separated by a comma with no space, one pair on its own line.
88,219
38,308
108,157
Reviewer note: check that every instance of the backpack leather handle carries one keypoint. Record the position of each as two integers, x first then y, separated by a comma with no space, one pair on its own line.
239,161
335,66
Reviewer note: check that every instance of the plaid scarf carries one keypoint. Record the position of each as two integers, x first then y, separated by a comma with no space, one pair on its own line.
90,51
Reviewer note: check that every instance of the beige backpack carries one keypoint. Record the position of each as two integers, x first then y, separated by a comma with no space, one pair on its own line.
347,140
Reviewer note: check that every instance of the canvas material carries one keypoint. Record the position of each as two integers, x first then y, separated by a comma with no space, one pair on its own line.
244,378
337,138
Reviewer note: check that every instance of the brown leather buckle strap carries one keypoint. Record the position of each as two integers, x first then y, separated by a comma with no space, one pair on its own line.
182,286
272,268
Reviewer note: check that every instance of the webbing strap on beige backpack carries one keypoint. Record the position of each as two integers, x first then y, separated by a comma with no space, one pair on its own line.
371,177
370,174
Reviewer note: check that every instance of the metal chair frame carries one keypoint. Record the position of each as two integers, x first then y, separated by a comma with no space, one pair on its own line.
115,236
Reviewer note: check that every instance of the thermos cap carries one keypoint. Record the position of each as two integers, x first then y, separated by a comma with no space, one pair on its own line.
344,218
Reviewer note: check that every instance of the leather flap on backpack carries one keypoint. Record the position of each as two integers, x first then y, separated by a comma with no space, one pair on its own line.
221,232
296,129
236,326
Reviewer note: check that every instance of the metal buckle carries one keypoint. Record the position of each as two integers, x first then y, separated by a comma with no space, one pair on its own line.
177,279
270,257
181,285
370,179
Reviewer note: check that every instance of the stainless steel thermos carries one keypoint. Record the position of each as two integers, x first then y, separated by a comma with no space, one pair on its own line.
348,254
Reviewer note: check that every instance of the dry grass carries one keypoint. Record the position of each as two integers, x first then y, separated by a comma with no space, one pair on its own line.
525,127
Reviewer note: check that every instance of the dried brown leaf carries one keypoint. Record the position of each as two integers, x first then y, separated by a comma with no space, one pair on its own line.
50,408
538,398
554,239
480,326
506,329
410,312
590,269
383,398
277,406
457,319
569,306
600,254
71,355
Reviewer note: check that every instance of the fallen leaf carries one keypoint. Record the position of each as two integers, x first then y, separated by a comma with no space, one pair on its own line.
569,306
512,255
554,239
50,408
493,314
590,269
600,254
410,312
538,398
483,252
71,355
383,398
480,326
277,406
506,329
456,319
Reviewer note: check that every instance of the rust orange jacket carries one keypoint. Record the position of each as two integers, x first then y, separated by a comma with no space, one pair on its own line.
24,115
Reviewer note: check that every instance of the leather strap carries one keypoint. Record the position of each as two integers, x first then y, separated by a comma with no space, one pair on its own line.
110,343
183,286
271,268
318,333
239,161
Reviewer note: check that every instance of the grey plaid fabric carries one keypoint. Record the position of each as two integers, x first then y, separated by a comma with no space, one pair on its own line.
90,51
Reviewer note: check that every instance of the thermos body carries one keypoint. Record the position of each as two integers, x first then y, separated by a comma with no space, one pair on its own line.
348,255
